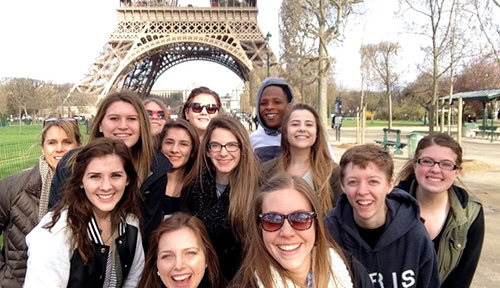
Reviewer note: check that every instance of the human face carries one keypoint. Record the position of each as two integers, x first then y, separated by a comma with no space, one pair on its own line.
434,179
156,123
366,190
55,145
121,122
202,119
289,247
301,129
225,162
104,182
273,106
181,260
177,146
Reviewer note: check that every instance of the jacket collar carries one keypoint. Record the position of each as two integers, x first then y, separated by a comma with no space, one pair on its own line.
94,231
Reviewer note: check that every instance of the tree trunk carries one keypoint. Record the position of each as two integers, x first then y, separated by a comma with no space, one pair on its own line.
322,79
389,106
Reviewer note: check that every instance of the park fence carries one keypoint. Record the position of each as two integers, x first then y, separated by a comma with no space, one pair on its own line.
18,156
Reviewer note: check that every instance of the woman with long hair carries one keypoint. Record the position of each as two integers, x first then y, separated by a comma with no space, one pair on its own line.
24,197
92,238
288,244
224,181
304,153
454,219
202,105
158,114
181,255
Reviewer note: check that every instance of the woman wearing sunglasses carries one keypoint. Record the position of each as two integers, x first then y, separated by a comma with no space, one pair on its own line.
122,116
92,238
181,255
453,218
304,153
380,226
288,245
221,186
157,113
200,108
24,197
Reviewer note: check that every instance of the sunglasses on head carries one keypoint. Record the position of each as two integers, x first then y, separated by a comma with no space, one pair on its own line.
299,221
158,113
197,108
56,119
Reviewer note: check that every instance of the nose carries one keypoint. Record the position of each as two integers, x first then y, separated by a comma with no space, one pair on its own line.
363,188
287,230
435,168
59,147
105,184
122,123
179,263
204,110
175,148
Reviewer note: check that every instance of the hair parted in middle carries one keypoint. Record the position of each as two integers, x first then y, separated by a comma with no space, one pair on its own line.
320,160
195,92
71,130
80,209
176,221
258,260
362,155
142,151
244,180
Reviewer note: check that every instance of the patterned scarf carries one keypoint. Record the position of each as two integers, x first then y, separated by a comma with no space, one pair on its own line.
46,174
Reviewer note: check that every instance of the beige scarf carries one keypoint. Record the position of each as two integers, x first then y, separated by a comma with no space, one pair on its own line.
46,174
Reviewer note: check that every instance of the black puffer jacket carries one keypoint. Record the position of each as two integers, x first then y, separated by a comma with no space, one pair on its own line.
19,200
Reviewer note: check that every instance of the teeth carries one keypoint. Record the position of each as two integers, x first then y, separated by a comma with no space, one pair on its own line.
180,278
288,247
434,179
58,157
366,202
105,196
122,135
271,116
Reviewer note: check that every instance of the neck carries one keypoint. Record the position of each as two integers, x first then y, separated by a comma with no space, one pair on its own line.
201,133
174,178
300,156
221,178
430,200
102,217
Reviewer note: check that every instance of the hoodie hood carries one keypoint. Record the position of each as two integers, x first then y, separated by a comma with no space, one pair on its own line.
288,92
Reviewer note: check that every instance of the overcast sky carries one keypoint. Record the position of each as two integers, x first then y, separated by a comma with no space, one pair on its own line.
58,40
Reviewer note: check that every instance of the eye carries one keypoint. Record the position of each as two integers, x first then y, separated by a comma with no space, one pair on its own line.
167,256
94,176
447,164
68,142
116,175
191,253
50,142
373,182
132,118
352,182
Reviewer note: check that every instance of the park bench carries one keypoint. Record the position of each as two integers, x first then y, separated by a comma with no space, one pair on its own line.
386,143
486,131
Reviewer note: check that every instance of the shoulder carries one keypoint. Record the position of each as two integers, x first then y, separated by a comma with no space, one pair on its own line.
260,139
269,168
340,269
132,220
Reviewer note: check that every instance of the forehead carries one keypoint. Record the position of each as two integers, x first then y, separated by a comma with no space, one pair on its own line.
153,106
371,170
204,99
178,133
55,132
273,92
106,163
178,240
302,114
437,153
121,107
222,135
285,201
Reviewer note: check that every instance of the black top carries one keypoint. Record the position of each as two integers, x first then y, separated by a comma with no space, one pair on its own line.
170,205
370,236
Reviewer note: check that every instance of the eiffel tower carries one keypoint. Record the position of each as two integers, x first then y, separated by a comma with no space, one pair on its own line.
153,36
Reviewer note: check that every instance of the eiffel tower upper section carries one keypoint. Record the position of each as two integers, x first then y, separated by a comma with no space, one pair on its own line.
153,36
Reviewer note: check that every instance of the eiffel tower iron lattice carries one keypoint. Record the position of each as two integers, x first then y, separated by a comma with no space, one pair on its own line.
153,36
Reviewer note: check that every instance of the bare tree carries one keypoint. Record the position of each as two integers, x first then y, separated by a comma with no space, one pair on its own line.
383,61
22,94
485,12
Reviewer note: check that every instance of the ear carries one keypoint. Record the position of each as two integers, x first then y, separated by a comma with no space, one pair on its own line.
128,181
391,186
186,114
100,129
288,107
81,185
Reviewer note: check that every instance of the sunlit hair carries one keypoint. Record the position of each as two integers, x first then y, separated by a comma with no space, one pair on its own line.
175,222
79,207
71,130
258,259
439,139
142,151
159,102
243,180
193,135
195,92
320,159
363,155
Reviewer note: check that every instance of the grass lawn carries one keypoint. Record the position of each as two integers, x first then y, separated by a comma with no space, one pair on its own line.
379,123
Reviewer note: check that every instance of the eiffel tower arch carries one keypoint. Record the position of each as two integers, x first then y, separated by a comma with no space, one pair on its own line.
153,36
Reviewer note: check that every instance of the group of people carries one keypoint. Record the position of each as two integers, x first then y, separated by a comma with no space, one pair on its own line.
198,202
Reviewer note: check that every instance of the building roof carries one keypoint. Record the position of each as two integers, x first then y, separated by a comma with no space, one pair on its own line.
482,95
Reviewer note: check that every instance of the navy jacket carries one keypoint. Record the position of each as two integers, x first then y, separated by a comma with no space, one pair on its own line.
403,256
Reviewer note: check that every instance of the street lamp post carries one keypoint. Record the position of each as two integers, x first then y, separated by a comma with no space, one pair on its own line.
268,37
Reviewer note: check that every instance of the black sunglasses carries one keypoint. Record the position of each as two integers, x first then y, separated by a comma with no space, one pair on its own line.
197,108
300,221
56,119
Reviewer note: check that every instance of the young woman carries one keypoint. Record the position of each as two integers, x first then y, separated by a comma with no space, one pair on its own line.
180,144
454,219
380,226
224,181
202,105
304,153
24,197
288,245
181,255
92,238
122,116
158,114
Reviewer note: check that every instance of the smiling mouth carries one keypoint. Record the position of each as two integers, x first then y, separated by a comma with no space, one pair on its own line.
434,179
181,279
271,116
288,248
364,203
105,197
58,157
122,135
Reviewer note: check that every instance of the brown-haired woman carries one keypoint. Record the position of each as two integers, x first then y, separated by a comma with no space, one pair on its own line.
454,219
24,197
92,238
288,244
202,105
223,183
158,114
304,153
181,255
